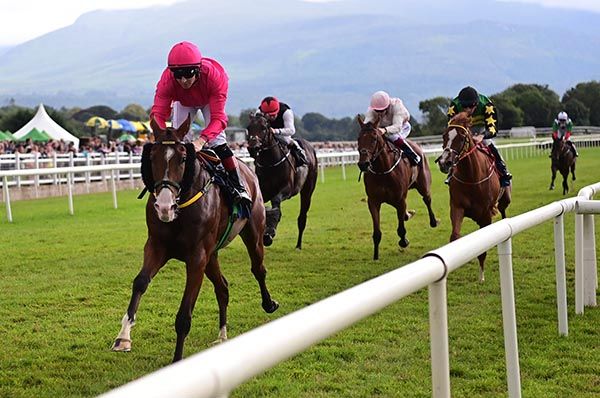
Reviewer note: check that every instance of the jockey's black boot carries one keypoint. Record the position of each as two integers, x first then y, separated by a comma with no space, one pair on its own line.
298,153
505,175
239,189
407,149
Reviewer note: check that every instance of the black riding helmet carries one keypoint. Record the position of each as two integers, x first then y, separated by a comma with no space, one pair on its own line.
468,97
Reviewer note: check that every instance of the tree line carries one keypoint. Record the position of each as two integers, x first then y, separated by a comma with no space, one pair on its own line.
519,105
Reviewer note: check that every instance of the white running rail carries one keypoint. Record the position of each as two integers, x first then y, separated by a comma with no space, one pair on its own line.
215,372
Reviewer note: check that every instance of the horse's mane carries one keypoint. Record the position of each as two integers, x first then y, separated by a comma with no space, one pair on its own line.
461,119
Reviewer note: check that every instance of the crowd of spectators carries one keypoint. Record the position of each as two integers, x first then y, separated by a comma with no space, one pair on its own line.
97,144
86,147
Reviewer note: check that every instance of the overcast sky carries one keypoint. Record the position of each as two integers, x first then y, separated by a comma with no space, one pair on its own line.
23,20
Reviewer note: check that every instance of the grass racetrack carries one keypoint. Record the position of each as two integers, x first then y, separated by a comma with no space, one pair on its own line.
66,280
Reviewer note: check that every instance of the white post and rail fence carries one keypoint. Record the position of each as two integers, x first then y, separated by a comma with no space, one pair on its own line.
217,371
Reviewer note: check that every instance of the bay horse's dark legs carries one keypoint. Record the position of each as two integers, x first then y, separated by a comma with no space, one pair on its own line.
183,320
423,186
154,260
374,208
573,169
252,237
565,183
553,177
213,273
305,200
273,218
401,231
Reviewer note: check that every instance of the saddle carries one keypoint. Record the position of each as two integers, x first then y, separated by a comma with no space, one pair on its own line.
212,164
486,150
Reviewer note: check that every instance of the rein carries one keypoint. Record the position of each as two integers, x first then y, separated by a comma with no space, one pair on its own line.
176,187
261,150
376,155
464,153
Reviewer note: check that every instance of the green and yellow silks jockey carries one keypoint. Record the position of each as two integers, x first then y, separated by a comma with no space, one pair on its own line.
483,122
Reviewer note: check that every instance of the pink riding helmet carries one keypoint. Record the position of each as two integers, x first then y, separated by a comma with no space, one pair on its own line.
184,54
380,101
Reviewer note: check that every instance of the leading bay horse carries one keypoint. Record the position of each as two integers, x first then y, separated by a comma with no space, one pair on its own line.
188,220
278,176
564,161
388,177
475,190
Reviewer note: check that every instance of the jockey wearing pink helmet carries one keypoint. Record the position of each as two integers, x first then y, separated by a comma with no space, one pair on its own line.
190,84
394,122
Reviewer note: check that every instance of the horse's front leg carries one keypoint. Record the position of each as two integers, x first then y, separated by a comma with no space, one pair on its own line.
374,208
457,215
573,170
401,231
273,218
553,178
195,267
154,259
483,223
213,272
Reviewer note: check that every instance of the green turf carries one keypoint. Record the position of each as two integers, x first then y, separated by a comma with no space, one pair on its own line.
66,281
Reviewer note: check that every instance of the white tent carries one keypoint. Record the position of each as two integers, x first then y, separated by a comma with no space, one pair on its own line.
42,121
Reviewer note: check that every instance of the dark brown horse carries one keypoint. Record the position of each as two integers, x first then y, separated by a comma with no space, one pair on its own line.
388,177
187,220
564,161
278,176
475,190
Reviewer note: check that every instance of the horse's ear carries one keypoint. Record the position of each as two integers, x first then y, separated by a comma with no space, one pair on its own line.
157,131
184,128
360,119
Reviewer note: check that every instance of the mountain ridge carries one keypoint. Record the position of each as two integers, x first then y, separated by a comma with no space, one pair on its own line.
318,57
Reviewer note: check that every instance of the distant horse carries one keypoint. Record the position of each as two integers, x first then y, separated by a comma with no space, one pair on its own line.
475,190
563,160
388,177
188,219
278,176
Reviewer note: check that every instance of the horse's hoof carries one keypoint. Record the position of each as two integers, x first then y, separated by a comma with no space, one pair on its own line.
403,243
267,240
271,307
434,223
121,345
551,188
218,341
409,215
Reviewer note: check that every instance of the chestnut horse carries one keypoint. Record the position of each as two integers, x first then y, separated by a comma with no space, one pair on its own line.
563,160
278,176
189,220
388,177
475,190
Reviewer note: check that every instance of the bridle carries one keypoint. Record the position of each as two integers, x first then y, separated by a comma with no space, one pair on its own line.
177,188
465,151
467,148
372,156
263,145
